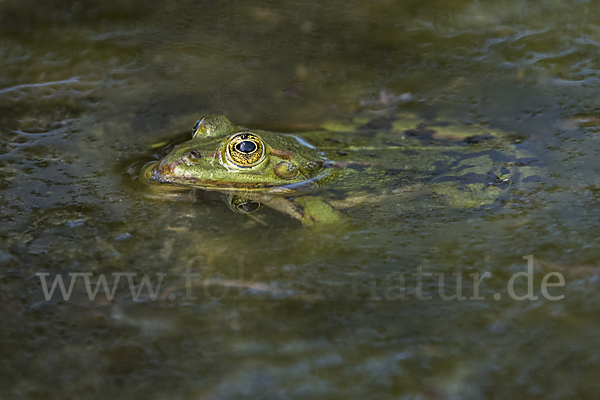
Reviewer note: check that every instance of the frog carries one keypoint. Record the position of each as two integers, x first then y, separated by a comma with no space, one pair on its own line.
314,175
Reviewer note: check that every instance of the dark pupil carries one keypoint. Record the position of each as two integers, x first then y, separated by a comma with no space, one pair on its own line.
246,146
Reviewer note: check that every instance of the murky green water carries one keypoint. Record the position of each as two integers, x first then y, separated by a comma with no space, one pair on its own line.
281,311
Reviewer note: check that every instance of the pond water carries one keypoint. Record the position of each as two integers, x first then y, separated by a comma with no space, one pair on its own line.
90,90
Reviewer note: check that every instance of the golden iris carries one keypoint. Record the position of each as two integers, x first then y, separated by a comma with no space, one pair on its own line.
245,150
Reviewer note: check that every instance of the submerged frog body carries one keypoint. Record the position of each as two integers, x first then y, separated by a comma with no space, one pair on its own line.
458,165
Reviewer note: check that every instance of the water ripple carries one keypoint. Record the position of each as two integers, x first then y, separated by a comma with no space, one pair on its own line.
44,84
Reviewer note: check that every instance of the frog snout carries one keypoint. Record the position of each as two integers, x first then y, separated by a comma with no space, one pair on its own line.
166,167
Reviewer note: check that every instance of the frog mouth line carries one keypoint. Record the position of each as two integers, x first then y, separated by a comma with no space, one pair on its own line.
163,173
209,184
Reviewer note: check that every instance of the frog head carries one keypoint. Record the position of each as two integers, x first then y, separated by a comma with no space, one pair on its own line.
226,157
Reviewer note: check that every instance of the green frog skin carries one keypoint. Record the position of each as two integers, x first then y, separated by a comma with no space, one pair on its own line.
465,166
222,156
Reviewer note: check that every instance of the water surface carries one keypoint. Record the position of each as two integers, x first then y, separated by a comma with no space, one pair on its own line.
88,88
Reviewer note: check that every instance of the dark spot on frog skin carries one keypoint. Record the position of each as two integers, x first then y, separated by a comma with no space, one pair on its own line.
285,154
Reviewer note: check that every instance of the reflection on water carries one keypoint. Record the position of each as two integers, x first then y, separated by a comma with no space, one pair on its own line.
277,310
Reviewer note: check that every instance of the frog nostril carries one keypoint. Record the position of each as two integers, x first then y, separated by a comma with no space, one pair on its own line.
195,154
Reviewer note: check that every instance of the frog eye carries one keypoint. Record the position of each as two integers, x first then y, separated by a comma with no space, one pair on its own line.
247,207
245,150
243,205
196,125
212,125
